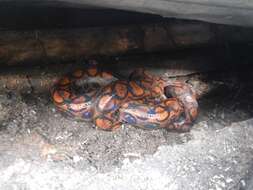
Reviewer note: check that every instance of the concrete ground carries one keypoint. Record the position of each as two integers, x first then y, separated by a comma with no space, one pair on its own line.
42,149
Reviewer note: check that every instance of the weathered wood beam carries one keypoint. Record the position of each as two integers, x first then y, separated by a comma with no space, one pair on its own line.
47,46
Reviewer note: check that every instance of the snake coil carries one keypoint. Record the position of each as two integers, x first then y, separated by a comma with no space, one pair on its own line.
139,101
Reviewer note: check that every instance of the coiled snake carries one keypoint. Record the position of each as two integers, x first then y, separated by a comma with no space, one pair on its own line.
139,101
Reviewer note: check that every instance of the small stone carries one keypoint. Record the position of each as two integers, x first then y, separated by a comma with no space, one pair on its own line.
48,149
76,158
33,112
211,158
243,183
229,180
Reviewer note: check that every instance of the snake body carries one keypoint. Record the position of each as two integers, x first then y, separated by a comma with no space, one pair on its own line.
138,101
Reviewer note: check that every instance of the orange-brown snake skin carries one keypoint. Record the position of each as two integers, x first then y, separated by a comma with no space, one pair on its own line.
139,101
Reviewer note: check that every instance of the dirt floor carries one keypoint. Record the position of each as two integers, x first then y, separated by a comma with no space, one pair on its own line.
42,149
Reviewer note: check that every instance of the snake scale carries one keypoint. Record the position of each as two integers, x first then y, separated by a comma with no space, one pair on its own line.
143,100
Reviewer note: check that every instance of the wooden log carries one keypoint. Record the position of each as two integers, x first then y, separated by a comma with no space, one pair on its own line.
39,79
50,46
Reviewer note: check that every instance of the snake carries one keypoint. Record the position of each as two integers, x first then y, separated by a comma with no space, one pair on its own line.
143,100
